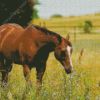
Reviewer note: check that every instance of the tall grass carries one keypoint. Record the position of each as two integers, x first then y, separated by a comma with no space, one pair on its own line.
67,23
82,84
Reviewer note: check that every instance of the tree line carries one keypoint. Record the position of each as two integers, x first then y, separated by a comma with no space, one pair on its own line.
17,11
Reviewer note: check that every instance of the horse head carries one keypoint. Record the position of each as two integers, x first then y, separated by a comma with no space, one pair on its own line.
63,54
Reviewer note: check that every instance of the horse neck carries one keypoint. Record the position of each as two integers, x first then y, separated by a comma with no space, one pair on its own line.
50,41
43,38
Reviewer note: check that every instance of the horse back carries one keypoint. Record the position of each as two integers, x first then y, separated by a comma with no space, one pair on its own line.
19,43
9,33
22,44
8,29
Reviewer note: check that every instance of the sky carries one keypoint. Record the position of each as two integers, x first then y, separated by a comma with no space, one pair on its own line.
47,8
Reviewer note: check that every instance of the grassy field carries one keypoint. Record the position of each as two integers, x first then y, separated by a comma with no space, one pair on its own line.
68,23
82,84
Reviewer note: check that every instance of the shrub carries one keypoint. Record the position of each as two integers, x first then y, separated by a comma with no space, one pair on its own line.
56,16
88,26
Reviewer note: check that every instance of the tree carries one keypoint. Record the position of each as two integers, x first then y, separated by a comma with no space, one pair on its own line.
88,26
16,11
56,16
35,15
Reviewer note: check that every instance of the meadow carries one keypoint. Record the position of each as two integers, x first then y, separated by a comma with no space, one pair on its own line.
82,84
66,24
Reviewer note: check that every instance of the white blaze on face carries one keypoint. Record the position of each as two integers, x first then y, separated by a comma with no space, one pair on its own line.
68,49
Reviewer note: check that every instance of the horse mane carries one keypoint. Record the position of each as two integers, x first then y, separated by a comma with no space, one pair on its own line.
50,33
47,32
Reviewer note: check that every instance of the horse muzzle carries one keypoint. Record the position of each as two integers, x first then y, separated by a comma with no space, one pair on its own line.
69,70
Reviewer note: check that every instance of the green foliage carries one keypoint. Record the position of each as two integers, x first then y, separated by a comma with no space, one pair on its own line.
80,25
36,2
56,16
88,26
35,15
18,11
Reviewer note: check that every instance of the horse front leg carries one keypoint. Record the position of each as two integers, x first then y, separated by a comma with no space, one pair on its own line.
4,78
26,71
40,72
7,66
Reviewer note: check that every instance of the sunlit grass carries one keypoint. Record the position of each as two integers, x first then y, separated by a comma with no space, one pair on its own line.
82,84
67,23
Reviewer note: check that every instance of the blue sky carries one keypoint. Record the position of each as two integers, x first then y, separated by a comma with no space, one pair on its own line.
67,7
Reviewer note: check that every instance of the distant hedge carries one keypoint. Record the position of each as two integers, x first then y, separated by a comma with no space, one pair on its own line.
56,16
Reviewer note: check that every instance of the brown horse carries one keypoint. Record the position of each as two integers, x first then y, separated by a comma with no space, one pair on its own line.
30,47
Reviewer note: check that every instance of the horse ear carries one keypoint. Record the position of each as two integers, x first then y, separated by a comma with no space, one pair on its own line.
63,47
67,37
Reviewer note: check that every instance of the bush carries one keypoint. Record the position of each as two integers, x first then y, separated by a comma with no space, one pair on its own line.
56,16
88,26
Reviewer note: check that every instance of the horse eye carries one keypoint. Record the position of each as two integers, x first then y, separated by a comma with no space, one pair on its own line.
59,48
63,53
